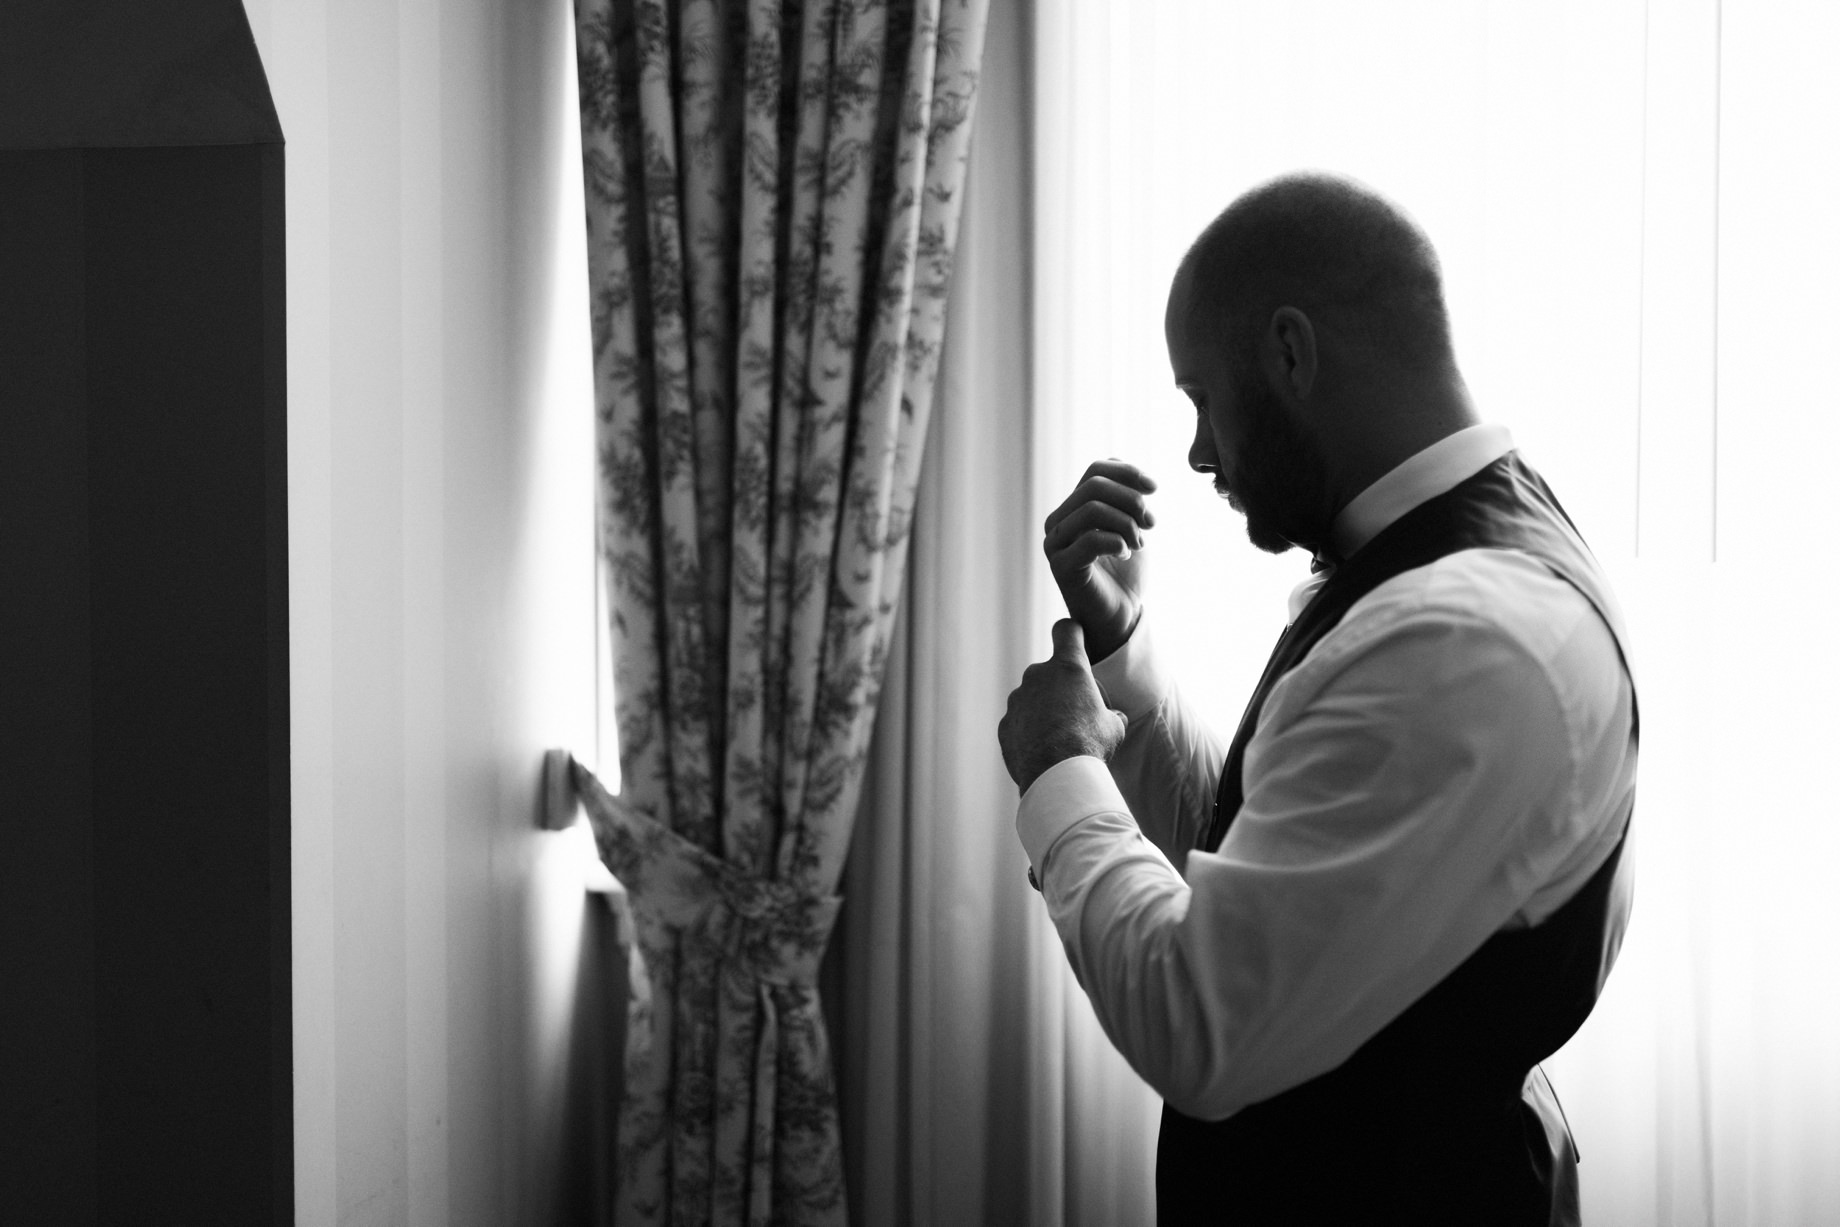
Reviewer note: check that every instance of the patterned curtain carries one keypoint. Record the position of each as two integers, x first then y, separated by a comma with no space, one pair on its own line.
773,189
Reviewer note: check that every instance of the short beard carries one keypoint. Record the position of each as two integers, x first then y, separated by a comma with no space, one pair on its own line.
1280,482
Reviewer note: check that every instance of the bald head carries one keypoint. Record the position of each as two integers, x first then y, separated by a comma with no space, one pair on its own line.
1348,258
1307,325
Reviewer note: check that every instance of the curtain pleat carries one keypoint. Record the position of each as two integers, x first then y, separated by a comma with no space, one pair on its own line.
946,980
773,191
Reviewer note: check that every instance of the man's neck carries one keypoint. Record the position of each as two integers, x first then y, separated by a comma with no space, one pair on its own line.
1395,422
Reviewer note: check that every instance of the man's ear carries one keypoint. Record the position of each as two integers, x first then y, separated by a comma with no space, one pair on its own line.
1290,352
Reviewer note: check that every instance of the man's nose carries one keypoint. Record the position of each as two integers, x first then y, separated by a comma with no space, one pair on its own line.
1201,457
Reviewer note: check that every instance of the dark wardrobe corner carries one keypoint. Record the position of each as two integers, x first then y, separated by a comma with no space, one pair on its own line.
143,611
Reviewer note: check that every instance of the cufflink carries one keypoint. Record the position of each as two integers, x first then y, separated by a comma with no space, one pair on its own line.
1032,881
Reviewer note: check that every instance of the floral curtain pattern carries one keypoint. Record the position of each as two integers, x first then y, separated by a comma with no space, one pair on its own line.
773,190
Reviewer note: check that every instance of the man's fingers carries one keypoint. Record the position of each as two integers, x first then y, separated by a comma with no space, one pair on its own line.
1102,489
1089,518
1070,641
1081,552
1122,471
1107,492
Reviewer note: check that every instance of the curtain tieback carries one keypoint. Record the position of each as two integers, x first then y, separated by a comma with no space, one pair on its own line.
771,930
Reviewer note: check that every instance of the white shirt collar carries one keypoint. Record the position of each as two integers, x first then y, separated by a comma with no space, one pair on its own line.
1421,476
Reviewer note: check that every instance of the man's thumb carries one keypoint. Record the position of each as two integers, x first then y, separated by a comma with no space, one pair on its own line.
1069,641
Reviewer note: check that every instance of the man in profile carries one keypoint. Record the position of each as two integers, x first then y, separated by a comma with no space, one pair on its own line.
1340,944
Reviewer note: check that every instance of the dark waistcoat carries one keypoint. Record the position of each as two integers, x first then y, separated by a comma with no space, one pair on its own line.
1432,1121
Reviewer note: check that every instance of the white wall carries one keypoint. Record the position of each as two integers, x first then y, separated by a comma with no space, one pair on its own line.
440,482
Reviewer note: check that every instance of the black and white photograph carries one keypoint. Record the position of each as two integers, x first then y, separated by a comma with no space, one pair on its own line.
919,613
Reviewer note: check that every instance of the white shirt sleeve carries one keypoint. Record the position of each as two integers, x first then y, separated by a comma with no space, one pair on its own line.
1413,785
1169,763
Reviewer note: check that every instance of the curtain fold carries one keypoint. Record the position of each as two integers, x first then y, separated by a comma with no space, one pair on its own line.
977,1086
772,200
929,971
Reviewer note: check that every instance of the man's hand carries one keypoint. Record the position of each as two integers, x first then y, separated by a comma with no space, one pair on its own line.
1057,712
1092,542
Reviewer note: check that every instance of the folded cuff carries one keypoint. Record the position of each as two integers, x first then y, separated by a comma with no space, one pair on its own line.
1131,679
1067,793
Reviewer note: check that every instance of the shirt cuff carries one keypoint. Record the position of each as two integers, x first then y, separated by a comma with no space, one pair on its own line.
1131,678
1065,794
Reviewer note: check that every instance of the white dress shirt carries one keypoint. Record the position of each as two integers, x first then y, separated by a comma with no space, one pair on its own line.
1454,758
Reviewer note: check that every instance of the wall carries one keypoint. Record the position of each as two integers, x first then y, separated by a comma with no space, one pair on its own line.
440,486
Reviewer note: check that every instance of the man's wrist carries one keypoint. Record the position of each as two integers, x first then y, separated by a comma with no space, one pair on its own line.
1073,745
1131,677
1100,644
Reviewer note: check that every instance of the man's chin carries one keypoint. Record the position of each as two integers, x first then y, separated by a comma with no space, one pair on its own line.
1265,534
1266,538
1259,530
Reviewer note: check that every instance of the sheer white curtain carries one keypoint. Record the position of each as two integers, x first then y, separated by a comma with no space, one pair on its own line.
975,1084
1634,203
